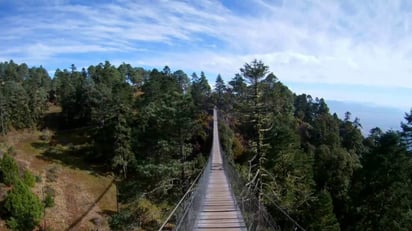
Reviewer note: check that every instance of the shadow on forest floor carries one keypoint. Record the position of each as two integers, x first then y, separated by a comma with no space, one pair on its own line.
71,148
85,213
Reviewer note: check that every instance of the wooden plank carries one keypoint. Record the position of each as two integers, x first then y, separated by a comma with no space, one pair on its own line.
219,211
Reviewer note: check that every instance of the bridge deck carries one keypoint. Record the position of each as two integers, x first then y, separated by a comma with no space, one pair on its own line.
219,209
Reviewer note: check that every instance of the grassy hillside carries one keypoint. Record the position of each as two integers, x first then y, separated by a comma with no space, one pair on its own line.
83,194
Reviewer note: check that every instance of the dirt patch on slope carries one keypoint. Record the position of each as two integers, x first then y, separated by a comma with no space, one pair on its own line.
82,197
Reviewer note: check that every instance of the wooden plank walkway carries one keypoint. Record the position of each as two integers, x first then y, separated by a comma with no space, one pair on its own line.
219,210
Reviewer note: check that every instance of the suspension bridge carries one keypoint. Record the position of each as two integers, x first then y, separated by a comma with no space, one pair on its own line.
218,200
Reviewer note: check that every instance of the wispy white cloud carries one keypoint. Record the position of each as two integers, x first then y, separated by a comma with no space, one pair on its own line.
335,42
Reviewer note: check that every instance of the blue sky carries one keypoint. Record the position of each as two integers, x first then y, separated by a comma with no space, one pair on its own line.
350,50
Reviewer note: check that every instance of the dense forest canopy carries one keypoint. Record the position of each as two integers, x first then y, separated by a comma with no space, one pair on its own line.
152,128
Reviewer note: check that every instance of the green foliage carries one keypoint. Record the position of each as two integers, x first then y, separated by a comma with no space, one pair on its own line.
226,139
9,170
38,179
49,198
382,189
200,92
13,224
122,145
407,130
257,119
302,149
132,74
28,178
334,169
23,95
147,213
351,136
289,170
153,126
48,201
141,213
147,124
24,207
220,95
119,220
17,106
323,215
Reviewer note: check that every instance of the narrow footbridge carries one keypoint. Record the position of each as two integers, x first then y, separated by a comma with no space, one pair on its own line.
218,208
217,199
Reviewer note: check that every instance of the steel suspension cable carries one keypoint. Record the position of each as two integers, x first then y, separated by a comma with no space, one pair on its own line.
190,189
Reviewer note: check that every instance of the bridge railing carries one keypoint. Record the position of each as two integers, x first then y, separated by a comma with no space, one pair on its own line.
255,215
183,216
188,218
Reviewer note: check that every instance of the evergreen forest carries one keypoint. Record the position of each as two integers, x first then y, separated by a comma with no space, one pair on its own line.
151,130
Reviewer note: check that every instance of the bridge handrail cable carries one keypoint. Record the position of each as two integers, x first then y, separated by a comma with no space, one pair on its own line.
189,195
249,204
256,217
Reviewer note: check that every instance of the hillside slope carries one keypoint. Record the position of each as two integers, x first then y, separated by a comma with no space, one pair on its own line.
83,195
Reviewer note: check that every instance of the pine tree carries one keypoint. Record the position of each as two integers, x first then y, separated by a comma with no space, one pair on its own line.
290,183
122,154
17,101
200,91
4,116
407,130
323,216
256,116
383,190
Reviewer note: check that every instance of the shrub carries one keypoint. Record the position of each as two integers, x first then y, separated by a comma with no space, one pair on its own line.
8,169
24,207
28,178
119,221
49,199
11,150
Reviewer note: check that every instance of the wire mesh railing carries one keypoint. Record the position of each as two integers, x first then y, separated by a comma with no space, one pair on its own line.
255,215
183,216
188,219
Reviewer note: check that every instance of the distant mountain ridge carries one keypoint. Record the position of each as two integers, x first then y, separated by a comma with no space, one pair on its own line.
371,116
